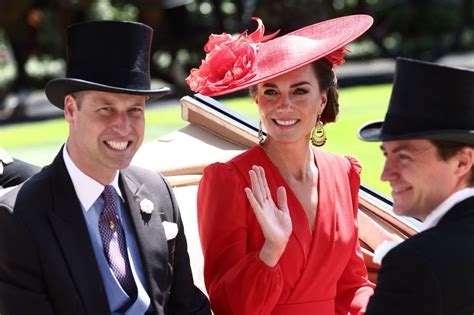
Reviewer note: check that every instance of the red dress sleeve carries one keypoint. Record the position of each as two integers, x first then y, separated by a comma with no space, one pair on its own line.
353,288
237,281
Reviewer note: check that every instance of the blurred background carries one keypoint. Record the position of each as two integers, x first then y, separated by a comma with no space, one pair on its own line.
32,42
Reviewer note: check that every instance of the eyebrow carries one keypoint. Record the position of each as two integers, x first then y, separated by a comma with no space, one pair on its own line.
139,105
291,86
102,99
401,147
397,149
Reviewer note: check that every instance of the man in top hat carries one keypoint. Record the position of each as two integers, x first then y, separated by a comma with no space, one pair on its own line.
428,142
89,234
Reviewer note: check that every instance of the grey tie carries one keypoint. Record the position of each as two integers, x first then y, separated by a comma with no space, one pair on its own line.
113,240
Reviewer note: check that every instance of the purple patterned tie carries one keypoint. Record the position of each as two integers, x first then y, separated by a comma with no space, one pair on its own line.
113,240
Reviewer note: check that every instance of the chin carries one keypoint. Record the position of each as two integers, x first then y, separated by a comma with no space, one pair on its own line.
408,212
400,210
120,165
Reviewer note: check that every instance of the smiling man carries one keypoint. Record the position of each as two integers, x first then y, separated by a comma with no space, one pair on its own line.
89,234
428,143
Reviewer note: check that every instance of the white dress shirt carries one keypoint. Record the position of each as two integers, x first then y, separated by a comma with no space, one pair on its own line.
88,191
431,220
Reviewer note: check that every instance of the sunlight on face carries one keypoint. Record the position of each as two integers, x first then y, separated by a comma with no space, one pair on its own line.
105,131
290,104
419,178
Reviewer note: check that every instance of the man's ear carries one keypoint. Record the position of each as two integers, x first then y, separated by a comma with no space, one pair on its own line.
70,106
465,162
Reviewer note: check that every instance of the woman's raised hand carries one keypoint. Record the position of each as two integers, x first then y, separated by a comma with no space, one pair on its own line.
274,220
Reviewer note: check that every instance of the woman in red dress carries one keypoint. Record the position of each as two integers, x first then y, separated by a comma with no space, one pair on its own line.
278,223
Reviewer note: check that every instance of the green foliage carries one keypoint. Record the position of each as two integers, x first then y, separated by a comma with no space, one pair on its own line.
7,69
41,67
105,10
412,28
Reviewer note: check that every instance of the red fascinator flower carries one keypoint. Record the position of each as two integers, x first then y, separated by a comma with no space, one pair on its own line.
229,62
336,58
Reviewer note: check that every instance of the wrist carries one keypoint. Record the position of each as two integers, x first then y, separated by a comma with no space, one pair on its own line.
271,254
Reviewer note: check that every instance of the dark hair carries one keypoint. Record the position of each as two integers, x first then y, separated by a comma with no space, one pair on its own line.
447,149
327,82
78,97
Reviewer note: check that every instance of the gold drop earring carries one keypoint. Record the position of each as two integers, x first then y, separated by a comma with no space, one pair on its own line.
318,136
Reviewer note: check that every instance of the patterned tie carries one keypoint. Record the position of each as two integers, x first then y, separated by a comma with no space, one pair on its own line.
113,240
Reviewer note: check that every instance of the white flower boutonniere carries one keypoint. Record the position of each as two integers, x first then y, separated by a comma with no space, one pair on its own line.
146,206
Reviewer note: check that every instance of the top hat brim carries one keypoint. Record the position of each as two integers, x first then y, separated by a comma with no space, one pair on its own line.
57,89
372,131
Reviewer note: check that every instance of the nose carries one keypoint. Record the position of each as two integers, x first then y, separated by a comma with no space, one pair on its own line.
389,171
122,123
285,104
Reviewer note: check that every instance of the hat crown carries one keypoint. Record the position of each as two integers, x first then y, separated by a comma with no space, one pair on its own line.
428,101
112,53
428,97
109,56
289,52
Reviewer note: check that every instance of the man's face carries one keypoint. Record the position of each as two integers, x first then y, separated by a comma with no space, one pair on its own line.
419,178
105,131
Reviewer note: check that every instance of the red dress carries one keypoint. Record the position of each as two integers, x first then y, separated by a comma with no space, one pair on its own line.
319,273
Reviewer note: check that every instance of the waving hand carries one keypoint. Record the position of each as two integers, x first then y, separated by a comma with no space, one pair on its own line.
274,219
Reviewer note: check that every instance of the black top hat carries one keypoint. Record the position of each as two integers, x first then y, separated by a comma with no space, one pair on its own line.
110,56
428,101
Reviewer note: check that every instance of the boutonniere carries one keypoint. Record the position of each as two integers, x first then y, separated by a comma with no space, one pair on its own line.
146,206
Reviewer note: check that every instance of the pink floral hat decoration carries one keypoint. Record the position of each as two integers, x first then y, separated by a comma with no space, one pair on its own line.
233,64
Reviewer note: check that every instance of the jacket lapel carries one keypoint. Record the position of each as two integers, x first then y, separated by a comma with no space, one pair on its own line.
69,225
150,235
463,210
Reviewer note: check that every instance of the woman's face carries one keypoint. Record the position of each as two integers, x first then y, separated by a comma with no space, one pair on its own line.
290,104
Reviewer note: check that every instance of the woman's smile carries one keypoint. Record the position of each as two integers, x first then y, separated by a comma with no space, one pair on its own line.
286,122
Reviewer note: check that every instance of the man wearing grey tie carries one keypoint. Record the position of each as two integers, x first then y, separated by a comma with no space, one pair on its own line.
90,234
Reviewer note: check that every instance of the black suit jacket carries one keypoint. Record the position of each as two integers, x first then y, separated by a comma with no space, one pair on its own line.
47,262
432,272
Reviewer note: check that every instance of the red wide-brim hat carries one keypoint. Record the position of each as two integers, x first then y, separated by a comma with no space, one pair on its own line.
235,64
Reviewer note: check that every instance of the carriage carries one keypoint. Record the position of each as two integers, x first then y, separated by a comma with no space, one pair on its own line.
216,133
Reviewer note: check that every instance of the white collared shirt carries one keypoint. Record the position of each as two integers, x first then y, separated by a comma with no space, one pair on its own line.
87,188
88,192
433,218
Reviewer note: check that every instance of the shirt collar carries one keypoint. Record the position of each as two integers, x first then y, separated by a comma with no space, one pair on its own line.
433,218
87,189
